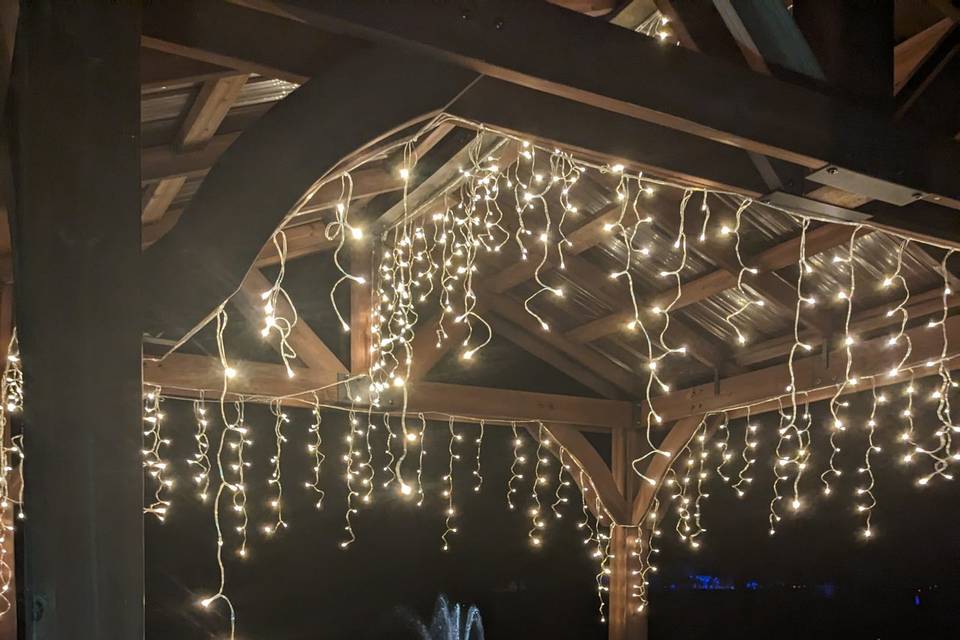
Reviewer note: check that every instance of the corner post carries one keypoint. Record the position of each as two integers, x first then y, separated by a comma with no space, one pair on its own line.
76,240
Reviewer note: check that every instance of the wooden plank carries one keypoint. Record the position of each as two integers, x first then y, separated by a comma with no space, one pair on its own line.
79,313
872,357
310,349
239,38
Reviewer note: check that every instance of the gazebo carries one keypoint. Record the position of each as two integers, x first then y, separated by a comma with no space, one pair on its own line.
691,241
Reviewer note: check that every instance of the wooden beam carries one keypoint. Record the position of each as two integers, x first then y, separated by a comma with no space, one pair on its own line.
813,378
585,454
239,38
209,108
507,404
809,138
181,373
302,240
680,433
310,349
776,257
853,42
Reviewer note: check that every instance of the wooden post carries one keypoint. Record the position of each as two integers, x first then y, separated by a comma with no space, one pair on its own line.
626,622
76,231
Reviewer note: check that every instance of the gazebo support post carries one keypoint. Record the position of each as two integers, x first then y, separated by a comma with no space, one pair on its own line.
76,232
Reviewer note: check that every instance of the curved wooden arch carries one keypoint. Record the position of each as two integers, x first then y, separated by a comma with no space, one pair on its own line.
257,181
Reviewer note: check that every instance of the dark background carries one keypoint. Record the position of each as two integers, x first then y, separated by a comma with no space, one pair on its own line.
816,578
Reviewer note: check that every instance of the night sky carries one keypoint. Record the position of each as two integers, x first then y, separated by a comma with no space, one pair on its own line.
817,577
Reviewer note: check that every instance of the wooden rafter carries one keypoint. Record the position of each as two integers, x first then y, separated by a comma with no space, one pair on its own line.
311,350
198,127
814,378
680,433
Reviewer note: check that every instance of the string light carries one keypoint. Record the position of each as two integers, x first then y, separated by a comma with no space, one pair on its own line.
420,258
315,450
276,305
12,459
153,460
448,491
848,379
561,483
537,523
201,458
351,474
518,460
476,472
276,475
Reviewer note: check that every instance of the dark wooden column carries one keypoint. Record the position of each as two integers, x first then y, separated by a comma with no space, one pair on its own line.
853,40
625,621
76,233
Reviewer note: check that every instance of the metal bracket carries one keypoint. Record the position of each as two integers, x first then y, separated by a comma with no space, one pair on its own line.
813,207
865,185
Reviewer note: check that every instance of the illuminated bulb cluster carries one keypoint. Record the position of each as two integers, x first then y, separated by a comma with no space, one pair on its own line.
518,460
201,457
153,461
276,475
12,461
277,306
